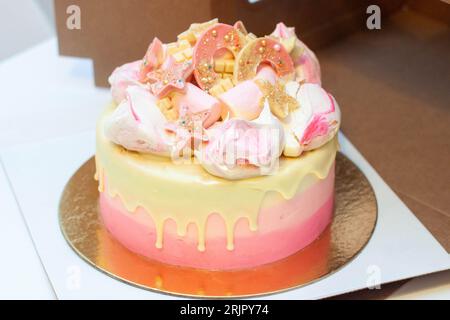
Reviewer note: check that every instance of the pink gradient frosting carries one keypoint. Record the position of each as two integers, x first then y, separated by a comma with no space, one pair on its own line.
284,227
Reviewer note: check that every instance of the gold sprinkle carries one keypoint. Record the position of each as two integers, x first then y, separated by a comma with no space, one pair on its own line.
261,49
214,33
281,104
226,37
263,43
204,80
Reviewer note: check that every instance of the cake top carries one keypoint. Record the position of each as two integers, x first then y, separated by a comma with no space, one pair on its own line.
223,97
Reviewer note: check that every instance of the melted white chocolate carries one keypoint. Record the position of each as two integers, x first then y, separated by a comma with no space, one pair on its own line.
188,194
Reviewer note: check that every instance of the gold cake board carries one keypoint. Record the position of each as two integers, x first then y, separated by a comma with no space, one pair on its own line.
354,221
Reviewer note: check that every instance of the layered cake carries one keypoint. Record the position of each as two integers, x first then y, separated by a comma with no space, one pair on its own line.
218,149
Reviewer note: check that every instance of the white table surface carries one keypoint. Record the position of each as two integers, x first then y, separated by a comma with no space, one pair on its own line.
41,94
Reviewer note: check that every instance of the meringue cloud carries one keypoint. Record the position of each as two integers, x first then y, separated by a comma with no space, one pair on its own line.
138,125
307,67
239,149
313,124
123,77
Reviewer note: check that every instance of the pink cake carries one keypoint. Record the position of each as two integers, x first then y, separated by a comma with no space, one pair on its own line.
218,150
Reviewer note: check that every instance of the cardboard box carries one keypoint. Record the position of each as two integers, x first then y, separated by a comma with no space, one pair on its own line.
393,86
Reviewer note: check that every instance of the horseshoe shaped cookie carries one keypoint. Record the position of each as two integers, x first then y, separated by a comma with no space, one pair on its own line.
220,36
262,50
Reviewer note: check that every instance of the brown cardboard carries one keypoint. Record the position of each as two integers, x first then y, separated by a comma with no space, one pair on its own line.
117,31
438,10
392,84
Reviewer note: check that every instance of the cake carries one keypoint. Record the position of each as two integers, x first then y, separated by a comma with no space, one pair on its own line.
218,149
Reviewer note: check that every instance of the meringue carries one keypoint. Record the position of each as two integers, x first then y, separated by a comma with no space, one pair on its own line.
306,64
122,77
240,149
314,123
251,100
137,124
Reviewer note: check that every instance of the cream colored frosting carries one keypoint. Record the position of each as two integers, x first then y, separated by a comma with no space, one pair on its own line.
167,190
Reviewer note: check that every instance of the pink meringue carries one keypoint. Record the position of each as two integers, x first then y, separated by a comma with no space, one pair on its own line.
286,35
282,31
138,125
306,64
314,123
307,67
239,149
122,77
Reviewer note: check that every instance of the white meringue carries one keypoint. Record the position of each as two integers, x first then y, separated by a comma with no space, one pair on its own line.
138,125
306,64
239,149
314,123
122,77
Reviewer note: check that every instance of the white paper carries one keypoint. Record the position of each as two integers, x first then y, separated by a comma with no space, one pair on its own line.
22,275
